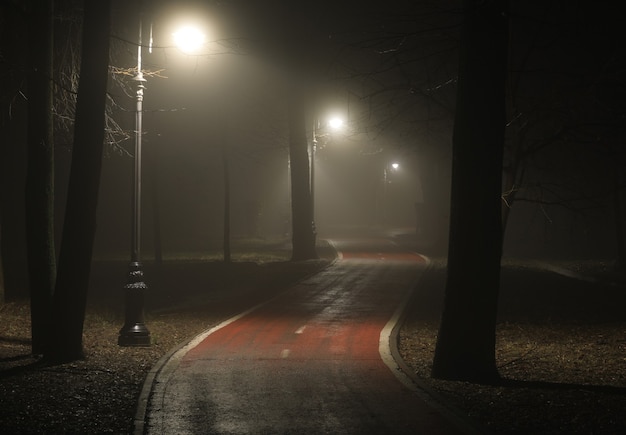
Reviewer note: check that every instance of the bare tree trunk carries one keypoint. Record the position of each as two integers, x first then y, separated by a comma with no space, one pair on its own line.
2,292
12,208
303,237
466,342
226,204
40,174
618,207
79,228
2,298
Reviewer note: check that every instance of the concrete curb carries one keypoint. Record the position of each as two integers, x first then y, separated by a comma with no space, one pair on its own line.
157,378
388,348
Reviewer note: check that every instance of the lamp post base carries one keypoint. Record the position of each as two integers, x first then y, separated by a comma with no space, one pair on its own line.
138,337
134,332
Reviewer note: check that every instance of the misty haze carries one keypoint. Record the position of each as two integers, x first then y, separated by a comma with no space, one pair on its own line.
231,216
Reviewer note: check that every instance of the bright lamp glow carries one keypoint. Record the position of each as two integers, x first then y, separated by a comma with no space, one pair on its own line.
189,39
335,122
395,165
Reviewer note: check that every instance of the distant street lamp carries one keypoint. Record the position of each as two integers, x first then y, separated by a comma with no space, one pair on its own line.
334,123
134,332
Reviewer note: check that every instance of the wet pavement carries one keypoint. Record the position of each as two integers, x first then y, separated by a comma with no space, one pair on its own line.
313,360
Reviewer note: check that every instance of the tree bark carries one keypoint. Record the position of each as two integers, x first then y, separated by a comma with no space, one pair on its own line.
40,174
12,207
80,217
303,236
14,41
618,211
465,347
226,174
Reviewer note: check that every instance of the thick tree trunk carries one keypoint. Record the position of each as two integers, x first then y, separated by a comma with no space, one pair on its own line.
13,127
12,209
40,174
80,217
2,297
226,204
618,211
303,237
466,342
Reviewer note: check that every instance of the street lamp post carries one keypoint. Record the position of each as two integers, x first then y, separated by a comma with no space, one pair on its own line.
134,332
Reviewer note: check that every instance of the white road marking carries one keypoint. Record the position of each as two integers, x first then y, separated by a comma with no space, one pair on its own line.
285,353
301,329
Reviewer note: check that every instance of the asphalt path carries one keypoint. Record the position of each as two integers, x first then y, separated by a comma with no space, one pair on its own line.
313,360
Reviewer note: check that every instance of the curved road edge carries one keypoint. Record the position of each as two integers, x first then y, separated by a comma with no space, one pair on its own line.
166,365
388,349
156,379
168,362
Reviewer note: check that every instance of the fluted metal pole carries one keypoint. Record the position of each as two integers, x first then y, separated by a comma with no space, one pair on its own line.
134,332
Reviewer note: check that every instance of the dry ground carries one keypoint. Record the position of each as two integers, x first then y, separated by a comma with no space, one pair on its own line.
561,351
561,348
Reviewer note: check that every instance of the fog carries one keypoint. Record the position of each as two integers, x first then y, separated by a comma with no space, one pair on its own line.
229,102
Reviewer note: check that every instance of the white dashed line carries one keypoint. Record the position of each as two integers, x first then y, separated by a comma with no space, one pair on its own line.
300,330
285,353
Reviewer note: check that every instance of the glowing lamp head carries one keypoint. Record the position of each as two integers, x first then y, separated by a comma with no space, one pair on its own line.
335,122
189,39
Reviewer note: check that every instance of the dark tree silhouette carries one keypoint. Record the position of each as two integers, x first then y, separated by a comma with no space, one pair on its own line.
303,236
466,342
13,125
226,178
40,173
80,218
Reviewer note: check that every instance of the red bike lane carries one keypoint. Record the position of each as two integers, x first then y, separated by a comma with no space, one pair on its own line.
308,361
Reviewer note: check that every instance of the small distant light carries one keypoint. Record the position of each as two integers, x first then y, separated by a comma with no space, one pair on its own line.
335,122
395,165
189,39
